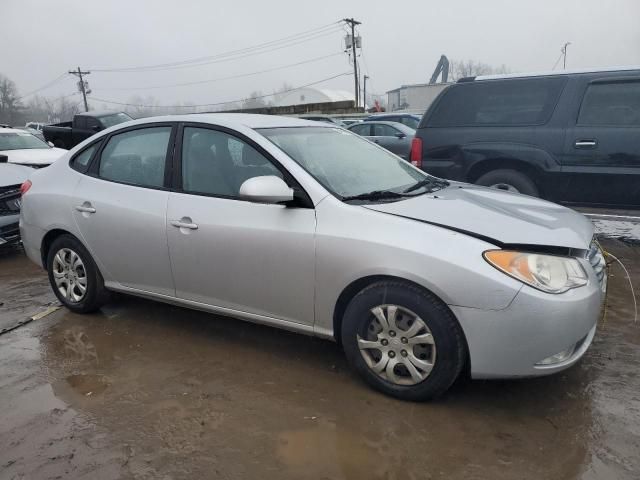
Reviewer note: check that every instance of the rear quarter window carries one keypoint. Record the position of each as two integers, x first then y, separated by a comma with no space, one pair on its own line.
498,102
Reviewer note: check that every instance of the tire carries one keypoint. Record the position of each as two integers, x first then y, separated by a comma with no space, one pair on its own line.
59,143
447,354
519,182
94,295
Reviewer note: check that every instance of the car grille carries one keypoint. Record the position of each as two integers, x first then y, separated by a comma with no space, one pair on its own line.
10,200
596,259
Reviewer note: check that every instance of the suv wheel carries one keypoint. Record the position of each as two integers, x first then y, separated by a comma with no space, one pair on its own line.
73,275
509,180
403,341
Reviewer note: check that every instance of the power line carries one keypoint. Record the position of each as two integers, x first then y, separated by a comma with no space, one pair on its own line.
47,85
220,103
283,42
316,59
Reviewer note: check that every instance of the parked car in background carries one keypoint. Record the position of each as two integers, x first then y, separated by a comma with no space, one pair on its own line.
347,122
317,117
69,134
36,133
570,137
411,120
393,136
304,226
11,178
21,147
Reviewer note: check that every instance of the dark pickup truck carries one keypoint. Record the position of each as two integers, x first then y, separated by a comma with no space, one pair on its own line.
69,134
569,137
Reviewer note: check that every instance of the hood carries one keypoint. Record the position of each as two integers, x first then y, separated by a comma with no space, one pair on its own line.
34,156
13,174
497,216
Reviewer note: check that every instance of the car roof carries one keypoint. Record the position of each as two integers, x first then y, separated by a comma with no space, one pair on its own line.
552,73
250,120
383,122
14,130
98,113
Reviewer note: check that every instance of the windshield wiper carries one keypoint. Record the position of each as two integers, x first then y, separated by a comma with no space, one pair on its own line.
375,195
435,184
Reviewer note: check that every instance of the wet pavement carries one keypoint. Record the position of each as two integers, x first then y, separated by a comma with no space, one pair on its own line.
145,390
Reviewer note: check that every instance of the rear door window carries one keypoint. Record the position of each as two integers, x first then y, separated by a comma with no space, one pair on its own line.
381,130
136,157
362,129
498,102
612,103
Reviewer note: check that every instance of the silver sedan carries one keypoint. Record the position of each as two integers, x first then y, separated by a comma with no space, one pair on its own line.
311,228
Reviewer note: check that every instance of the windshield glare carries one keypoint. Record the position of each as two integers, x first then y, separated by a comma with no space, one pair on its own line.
20,141
115,119
344,163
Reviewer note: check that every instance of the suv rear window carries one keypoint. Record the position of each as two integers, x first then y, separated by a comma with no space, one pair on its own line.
498,102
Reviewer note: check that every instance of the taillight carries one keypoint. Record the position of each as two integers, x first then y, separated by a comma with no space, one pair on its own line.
24,188
416,152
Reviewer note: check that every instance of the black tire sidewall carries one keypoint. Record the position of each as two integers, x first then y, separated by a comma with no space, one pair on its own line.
450,347
519,180
93,297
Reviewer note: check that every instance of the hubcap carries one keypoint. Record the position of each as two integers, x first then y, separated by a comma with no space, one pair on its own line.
397,345
505,186
70,275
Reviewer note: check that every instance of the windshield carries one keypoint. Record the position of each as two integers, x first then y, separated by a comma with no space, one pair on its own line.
20,141
344,163
115,119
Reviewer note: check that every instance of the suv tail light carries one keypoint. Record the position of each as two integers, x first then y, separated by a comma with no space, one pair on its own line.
416,152
24,188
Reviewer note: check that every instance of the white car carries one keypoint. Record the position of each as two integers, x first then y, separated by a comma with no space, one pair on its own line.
23,148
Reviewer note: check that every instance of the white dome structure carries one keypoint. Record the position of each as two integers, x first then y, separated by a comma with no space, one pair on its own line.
303,96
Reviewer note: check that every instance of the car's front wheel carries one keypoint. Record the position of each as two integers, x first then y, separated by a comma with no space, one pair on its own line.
73,275
403,340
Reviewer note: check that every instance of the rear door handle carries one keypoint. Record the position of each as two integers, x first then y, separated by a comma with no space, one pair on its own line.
85,208
184,223
585,143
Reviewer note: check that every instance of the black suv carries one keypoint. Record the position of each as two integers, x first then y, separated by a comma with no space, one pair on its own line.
570,137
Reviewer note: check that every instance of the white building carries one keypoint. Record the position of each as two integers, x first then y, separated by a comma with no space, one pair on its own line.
414,97
302,96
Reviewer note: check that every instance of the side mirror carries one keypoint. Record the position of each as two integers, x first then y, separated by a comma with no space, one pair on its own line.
400,135
50,144
266,189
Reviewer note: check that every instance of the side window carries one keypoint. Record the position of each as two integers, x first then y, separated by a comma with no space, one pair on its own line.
81,161
383,131
216,163
498,102
80,122
411,122
615,103
136,157
362,129
92,123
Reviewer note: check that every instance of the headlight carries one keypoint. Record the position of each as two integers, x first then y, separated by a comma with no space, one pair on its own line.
548,273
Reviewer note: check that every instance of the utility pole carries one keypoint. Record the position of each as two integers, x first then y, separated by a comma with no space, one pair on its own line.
352,22
81,86
564,55
364,93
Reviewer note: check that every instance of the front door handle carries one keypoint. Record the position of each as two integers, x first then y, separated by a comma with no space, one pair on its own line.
184,222
85,208
591,143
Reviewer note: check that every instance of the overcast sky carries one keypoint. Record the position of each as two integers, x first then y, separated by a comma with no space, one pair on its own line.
402,41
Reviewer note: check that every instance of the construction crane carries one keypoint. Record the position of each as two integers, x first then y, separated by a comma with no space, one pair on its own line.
441,68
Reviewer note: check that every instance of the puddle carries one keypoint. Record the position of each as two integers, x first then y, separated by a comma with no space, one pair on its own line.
88,384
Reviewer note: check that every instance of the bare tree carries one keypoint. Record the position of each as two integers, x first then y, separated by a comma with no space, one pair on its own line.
470,68
9,100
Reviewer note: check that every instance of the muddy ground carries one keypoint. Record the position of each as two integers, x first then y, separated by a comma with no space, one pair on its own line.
144,390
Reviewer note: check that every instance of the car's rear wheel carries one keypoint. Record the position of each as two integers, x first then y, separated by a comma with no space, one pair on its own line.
73,275
403,340
509,180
